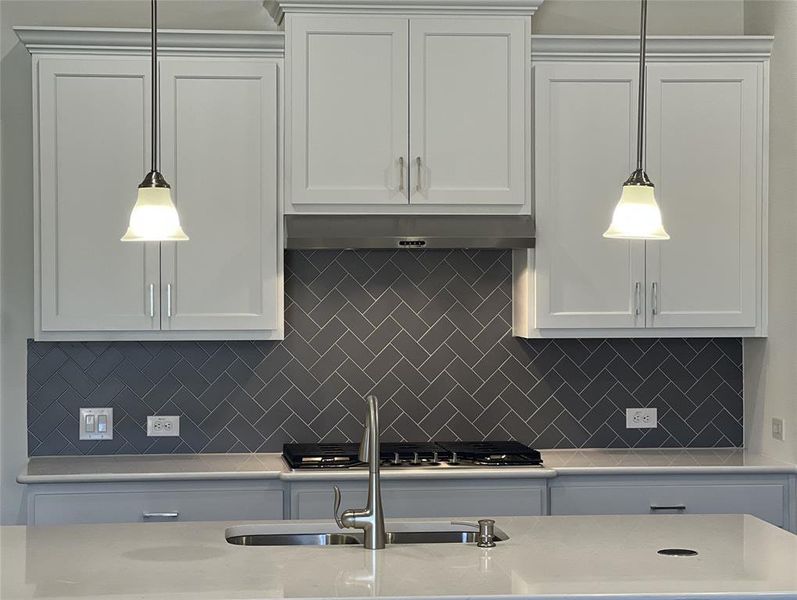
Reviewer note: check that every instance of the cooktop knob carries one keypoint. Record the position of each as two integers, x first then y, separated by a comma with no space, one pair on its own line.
415,458
454,460
396,459
435,460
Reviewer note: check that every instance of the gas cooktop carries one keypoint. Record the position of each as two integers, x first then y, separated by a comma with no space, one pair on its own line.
414,455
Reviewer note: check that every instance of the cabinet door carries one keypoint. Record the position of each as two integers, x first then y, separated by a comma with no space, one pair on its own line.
763,500
702,155
220,155
92,137
429,498
584,150
347,112
205,503
468,124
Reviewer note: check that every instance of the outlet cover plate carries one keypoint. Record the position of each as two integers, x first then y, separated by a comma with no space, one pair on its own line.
641,418
90,420
163,426
777,429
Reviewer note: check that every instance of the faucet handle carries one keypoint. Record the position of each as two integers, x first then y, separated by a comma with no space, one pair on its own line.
336,507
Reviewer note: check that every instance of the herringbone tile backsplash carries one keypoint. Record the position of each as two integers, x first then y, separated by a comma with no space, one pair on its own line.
428,332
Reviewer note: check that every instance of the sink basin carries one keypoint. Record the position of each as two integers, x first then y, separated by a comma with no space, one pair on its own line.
252,535
295,539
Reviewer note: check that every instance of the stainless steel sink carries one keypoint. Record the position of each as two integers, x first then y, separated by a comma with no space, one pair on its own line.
296,539
342,539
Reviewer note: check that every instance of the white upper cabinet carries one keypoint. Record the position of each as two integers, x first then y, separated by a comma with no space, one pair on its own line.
467,111
586,124
348,111
219,122
706,153
92,145
702,153
220,143
407,114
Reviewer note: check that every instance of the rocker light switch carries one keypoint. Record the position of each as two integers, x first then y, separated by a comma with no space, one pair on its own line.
96,423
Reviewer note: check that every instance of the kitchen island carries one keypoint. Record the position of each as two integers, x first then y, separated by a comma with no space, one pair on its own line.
577,557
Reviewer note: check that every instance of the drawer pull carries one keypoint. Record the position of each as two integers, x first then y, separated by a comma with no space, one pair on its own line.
655,507
161,515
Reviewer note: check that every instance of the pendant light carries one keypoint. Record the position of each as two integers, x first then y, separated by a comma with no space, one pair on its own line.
154,217
637,215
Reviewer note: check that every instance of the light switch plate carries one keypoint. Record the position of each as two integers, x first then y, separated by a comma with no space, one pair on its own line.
163,426
641,418
96,424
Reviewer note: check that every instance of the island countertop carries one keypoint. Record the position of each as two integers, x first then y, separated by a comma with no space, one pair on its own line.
544,557
177,467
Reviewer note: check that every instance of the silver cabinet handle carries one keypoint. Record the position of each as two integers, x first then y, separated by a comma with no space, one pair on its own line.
658,507
169,300
161,515
418,181
637,298
151,300
654,299
401,174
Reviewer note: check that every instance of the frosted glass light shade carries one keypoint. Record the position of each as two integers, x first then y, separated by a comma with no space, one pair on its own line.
637,216
154,218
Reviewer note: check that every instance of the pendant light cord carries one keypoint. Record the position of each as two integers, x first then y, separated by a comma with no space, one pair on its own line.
640,135
154,86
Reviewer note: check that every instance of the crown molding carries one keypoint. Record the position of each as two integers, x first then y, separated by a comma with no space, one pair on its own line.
673,48
279,8
174,42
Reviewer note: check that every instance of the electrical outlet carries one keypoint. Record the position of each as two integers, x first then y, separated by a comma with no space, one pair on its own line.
777,429
162,426
96,424
641,418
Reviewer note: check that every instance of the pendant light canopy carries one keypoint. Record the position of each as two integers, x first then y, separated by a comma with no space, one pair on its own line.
637,215
154,217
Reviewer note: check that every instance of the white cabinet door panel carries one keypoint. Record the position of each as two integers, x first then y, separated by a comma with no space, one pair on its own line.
208,504
468,111
702,155
584,150
93,121
765,501
348,110
404,499
220,126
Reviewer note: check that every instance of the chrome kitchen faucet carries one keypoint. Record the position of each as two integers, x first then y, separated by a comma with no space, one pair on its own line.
370,519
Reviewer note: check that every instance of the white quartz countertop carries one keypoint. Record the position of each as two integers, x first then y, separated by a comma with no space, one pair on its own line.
77,469
546,557
652,461
155,467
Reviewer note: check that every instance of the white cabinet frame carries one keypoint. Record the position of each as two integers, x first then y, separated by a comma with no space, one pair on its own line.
742,61
416,171
117,56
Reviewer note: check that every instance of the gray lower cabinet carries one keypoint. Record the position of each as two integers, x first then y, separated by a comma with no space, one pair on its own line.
426,498
57,504
764,496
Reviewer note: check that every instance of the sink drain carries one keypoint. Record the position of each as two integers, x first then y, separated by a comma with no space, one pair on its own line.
677,552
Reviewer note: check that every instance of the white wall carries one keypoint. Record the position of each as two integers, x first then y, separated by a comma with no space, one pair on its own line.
16,212
771,364
683,17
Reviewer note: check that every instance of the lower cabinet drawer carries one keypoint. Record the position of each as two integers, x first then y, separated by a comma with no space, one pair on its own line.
156,506
426,500
766,501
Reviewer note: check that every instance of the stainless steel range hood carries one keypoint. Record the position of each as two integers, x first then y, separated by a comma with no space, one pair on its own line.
323,232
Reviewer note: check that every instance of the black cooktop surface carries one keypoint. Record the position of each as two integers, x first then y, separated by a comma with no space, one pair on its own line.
414,454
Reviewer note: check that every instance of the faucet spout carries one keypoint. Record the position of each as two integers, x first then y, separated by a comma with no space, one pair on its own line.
370,519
